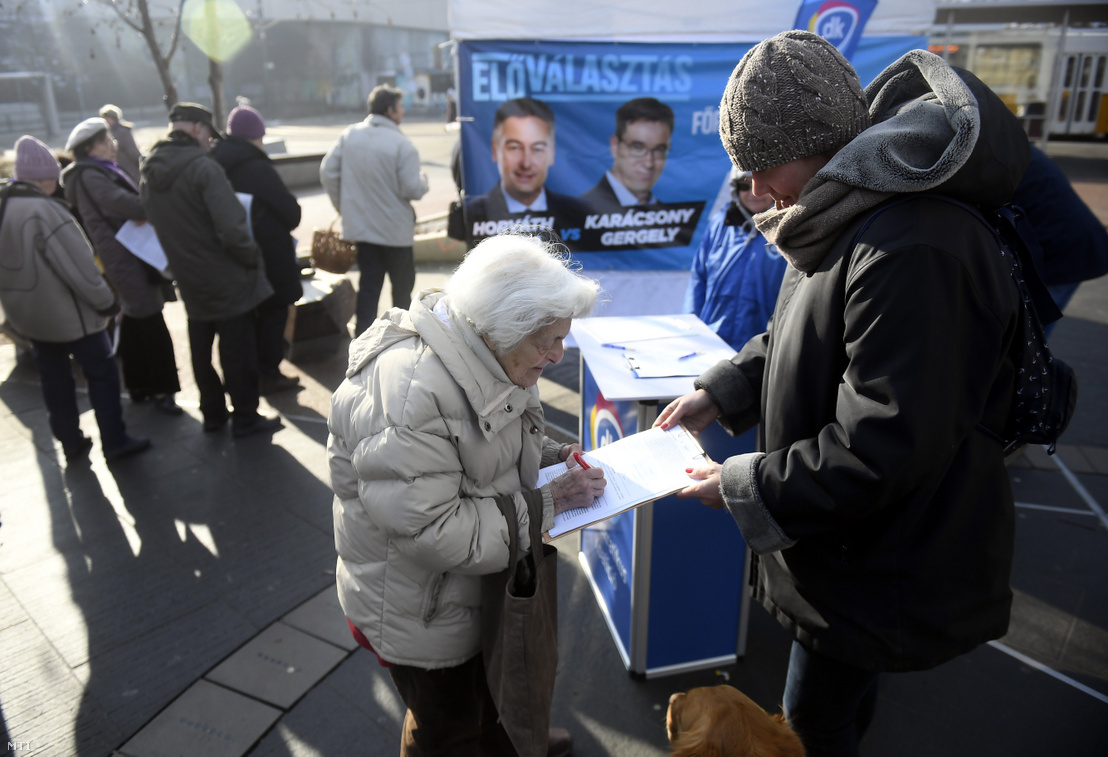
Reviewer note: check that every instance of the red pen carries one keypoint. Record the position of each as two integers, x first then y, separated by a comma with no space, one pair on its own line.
581,460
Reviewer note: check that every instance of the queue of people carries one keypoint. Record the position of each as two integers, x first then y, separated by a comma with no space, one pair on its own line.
237,273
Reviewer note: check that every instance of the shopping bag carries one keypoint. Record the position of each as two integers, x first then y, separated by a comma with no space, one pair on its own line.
519,634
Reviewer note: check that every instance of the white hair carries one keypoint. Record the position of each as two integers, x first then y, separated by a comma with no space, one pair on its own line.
511,285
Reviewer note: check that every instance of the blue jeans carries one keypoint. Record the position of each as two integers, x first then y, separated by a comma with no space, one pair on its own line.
828,703
374,261
59,391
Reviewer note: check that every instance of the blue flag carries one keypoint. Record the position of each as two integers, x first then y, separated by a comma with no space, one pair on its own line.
840,22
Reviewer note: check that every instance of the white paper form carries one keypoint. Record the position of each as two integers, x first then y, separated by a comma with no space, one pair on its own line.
247,201
631,330
661,363
143,243
639,469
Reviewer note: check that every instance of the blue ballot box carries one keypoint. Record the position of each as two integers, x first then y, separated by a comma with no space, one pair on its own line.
669,576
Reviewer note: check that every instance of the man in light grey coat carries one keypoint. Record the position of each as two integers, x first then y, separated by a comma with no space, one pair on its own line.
372,175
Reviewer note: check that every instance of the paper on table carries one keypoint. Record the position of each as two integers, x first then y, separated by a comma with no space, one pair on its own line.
662,365
143,243
636,329
639,469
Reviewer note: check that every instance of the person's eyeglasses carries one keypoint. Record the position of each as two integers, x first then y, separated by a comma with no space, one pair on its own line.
639,150
741,186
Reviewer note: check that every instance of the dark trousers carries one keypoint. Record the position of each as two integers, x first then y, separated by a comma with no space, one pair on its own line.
828,703
146,352
450,712
374,261
59,391
238,356
270,320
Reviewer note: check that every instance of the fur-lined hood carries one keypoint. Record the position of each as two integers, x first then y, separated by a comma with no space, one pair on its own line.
935,129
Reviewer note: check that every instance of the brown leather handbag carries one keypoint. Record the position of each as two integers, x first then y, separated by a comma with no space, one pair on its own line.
519,634
332,253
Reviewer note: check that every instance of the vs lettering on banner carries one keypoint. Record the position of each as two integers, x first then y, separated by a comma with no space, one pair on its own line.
614,146
840,22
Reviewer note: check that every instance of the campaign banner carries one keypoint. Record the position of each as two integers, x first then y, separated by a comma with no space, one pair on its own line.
840,22
615,146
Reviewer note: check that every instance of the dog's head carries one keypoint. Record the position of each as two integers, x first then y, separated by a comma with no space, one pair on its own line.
721,721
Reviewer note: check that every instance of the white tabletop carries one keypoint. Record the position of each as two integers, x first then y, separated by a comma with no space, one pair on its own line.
685,333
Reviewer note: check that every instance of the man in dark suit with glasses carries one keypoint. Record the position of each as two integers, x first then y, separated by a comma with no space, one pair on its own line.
639,149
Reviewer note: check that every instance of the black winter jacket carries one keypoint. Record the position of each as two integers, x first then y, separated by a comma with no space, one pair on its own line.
202,227
882,516
274,212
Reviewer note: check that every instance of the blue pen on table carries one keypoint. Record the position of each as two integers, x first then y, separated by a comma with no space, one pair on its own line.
686,357
616,347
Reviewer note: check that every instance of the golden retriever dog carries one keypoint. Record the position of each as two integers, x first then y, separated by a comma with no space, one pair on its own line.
721,721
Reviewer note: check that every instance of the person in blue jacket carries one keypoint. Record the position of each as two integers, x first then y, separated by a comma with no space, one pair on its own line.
736,274
1073,240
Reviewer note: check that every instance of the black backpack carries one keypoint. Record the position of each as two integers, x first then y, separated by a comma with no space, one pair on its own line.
1046,387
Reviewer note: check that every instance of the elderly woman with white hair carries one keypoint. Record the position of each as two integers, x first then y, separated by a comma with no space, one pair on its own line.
438,419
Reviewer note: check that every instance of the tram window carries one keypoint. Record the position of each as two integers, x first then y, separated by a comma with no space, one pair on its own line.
1070,64
1094,105
1098,82
1087,71
1080,107
1007,68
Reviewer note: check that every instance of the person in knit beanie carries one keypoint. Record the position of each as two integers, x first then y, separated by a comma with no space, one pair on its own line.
879,510
53,294
274,213
35,162
245,122
790,97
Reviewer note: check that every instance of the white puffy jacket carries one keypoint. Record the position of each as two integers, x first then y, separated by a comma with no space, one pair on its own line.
424,432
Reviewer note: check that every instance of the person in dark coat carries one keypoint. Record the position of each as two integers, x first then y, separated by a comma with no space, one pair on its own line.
105,198
523,150
219,269
129,156
879,509
274,213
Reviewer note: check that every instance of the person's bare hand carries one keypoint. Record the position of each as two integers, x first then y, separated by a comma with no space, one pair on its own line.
695,411
577,487
705,486
568,450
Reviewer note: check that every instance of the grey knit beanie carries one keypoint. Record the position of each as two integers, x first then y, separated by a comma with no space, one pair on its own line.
791,96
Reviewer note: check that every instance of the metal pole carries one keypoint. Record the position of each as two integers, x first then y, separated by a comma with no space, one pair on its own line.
949,34
50,106
1055,82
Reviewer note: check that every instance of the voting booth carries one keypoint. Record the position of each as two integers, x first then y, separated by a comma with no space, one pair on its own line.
669,576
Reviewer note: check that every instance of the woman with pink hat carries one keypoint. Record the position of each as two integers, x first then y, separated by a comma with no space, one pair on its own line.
53,293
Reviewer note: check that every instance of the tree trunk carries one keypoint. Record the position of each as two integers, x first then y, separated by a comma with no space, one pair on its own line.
161,62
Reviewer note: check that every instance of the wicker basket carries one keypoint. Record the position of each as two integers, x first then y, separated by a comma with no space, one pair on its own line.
332,253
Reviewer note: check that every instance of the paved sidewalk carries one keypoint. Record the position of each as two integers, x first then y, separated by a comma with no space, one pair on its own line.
181,602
